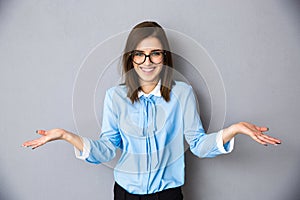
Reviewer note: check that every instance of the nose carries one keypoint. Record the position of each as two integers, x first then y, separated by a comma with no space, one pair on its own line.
147,61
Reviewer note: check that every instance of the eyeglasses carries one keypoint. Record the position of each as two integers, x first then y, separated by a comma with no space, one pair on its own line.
156,56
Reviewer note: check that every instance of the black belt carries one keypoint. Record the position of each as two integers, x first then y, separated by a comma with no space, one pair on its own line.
168,194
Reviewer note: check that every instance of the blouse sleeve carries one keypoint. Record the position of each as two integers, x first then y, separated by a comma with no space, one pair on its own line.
103,149
201,144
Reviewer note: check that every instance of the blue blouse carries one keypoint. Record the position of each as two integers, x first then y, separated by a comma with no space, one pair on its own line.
150,134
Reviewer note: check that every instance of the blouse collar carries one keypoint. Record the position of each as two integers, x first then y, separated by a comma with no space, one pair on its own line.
154,92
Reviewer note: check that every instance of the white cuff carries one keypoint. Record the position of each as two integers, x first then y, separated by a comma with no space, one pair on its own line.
220,145
86,149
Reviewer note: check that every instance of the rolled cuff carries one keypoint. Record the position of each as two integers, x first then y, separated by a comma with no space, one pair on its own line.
83,155
224,148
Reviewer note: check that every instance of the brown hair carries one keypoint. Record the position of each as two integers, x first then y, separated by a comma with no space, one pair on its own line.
137,34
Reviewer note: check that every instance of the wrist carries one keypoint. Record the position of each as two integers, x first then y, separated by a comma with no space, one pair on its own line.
66,135
233,129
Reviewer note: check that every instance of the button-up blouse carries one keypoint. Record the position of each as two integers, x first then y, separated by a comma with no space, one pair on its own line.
150,135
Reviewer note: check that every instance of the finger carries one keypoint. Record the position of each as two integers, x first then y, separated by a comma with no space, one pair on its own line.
37,145
34,145
28,143
270,139
256,138
41,132
265,139
31,143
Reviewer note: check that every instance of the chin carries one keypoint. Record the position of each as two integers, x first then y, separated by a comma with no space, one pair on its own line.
149,80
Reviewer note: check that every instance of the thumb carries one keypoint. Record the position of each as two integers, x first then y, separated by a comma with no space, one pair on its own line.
262,128
41,132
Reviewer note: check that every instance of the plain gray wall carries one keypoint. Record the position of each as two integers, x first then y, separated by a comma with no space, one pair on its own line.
255,45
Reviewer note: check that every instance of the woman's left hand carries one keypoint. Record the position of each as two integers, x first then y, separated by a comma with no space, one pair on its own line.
255,132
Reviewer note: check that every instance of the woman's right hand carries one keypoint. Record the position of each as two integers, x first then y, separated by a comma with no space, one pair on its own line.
47,136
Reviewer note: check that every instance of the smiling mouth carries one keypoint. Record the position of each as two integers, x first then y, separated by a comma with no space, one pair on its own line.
147,69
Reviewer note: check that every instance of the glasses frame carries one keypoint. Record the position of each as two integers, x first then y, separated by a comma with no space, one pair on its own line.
149,56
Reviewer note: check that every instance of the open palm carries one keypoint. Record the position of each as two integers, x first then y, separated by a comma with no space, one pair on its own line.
47,136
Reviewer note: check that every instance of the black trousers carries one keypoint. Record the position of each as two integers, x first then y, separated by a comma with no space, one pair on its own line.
168,194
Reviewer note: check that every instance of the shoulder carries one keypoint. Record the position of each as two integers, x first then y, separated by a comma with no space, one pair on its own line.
181,91
184,93
182,87
117,93
182,84
119,89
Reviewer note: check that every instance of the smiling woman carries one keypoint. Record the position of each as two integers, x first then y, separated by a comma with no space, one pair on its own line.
144,38
151,165
148,69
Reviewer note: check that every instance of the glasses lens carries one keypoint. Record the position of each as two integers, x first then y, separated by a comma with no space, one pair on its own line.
138,57
156,57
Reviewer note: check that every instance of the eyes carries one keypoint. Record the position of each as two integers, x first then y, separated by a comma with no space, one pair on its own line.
152,53
156,53
138,54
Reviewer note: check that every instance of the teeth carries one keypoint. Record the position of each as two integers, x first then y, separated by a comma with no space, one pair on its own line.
147,69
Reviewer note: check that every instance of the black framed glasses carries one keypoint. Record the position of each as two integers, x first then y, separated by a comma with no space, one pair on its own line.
155,56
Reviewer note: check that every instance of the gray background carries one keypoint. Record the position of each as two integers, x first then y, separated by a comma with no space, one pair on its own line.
255,45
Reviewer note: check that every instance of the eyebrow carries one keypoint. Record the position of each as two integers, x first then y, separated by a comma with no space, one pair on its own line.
150,51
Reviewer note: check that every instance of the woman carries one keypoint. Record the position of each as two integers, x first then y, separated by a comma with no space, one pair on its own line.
148,118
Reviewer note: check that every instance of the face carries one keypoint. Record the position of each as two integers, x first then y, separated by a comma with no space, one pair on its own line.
148,72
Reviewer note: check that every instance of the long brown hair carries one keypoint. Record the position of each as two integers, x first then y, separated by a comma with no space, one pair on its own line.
137,34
